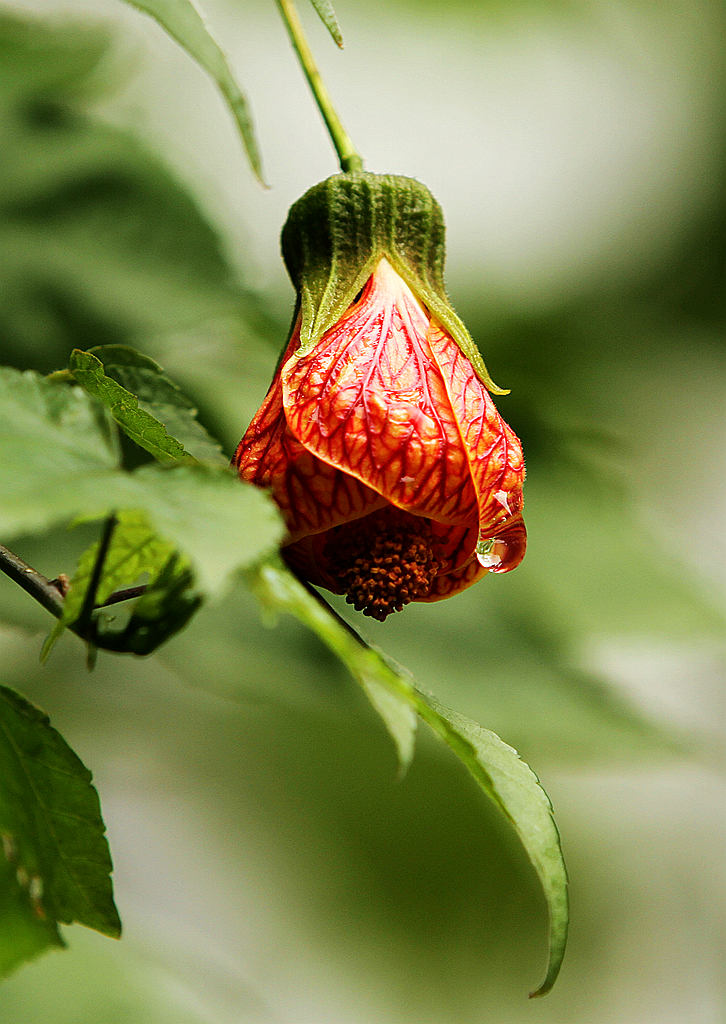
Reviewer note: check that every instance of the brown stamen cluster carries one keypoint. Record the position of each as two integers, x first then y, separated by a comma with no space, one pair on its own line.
382,561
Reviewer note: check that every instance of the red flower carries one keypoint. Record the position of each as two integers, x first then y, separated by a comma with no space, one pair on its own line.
397,477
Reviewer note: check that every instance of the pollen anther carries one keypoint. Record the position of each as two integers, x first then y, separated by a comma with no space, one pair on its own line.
383,561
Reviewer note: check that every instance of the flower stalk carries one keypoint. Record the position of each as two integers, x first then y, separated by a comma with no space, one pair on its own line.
348,156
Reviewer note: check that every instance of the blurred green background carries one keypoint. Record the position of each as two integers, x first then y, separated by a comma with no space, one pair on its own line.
269,866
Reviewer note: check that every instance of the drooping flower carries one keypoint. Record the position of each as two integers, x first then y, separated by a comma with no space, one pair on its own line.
397,477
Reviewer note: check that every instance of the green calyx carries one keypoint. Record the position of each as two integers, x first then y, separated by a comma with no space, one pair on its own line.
336,234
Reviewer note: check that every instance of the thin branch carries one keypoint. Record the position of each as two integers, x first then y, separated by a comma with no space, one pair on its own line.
34,583
48,594
124,595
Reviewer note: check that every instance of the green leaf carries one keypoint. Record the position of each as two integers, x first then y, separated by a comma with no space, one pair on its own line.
134,555
328,18
496,767
516,790
184,23
53,836
23,934
147,406
141,426
161,398
58,462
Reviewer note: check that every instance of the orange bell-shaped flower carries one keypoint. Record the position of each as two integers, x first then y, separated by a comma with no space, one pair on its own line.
397,477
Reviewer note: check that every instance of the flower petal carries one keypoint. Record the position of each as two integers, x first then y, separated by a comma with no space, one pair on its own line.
311,494
370,400
494,455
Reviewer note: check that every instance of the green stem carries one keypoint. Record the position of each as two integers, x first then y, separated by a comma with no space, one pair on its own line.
348,156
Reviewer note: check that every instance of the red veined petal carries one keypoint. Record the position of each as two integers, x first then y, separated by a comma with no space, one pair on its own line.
311,494
370,400
494,453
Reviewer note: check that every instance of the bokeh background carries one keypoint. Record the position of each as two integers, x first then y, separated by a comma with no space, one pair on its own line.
270,868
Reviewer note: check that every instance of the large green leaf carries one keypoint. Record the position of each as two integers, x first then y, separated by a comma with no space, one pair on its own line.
496,767
54,865
184,23
58,462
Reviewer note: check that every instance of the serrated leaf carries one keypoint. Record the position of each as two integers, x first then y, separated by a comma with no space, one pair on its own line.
512,785
161,398
147,406
135,554
58,462
53,836
495,766
185,24
329,19
141,426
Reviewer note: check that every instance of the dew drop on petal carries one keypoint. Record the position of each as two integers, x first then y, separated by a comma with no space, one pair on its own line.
488,553
505,551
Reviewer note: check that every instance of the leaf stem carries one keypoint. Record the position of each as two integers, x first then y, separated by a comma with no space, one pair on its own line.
348,156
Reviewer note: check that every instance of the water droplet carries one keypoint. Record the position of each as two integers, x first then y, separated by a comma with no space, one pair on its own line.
488,553
505,551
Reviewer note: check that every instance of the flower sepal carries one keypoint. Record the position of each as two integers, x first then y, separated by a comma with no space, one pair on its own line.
336,235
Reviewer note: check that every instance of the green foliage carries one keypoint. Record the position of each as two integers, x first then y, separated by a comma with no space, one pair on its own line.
496,767
183,22
141,426
54,858
142,383
58,461
329,19
101,244
134,555
218,526
80,265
